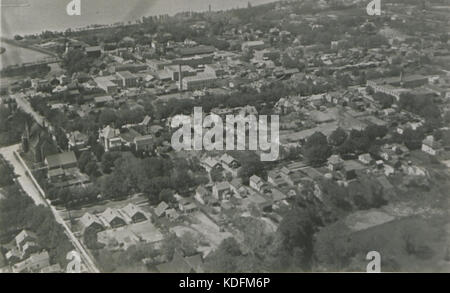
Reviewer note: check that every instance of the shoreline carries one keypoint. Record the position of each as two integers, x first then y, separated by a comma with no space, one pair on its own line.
27,46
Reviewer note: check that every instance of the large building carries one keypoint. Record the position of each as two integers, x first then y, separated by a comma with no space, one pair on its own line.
106,83
253,45
64,161
127,79
198,50
174,71
198,82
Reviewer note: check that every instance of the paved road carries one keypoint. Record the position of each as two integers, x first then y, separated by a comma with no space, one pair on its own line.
32,191
23,104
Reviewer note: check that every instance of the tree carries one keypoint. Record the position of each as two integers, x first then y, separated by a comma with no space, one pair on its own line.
108,160
166,195
107,117
413,138
337,137
376,131
92,170
359,140
316,149
84,159
216,175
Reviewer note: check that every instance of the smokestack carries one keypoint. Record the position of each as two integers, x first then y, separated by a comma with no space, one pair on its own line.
180,77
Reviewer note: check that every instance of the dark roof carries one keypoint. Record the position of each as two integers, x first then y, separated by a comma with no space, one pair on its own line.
180,264
62,159
197,50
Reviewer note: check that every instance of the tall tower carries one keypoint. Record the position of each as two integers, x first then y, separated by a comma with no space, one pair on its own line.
180,77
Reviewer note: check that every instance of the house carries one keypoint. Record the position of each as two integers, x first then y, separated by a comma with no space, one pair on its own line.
202,194
161,209
238,188
274,177
230,164
134,213
187,206
13,256
143,143
77,141
93,51
181,264
210,163
388,170
172,214
256,183
29,247
222,190
351,169
35,262
110,138
24,237
335,163
365,158
112,218
89,221
431,146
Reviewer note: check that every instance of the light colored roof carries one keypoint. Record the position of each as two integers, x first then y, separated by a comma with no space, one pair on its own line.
24,235
222,185
227,159
109,132
88,219
131,210
161,208
256,179
103,99
110,214
210,162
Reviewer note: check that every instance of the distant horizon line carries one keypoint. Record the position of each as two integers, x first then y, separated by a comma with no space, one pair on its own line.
109,24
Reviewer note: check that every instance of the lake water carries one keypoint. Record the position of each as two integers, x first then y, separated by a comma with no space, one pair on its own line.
35,16
42,15
17,55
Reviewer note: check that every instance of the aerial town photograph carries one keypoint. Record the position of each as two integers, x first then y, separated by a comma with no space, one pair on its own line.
224,136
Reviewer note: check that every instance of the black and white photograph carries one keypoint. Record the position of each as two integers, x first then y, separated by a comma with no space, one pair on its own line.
221,137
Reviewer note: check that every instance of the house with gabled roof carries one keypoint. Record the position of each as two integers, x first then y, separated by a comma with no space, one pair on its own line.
230,164
112,218
256,183
89,221
161,209
110,138
210,163
222,190
134,213
23,237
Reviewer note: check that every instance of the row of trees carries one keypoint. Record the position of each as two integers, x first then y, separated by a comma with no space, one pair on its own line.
319,148
18,212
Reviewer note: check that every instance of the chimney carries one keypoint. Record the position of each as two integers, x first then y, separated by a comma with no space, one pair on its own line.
180,77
